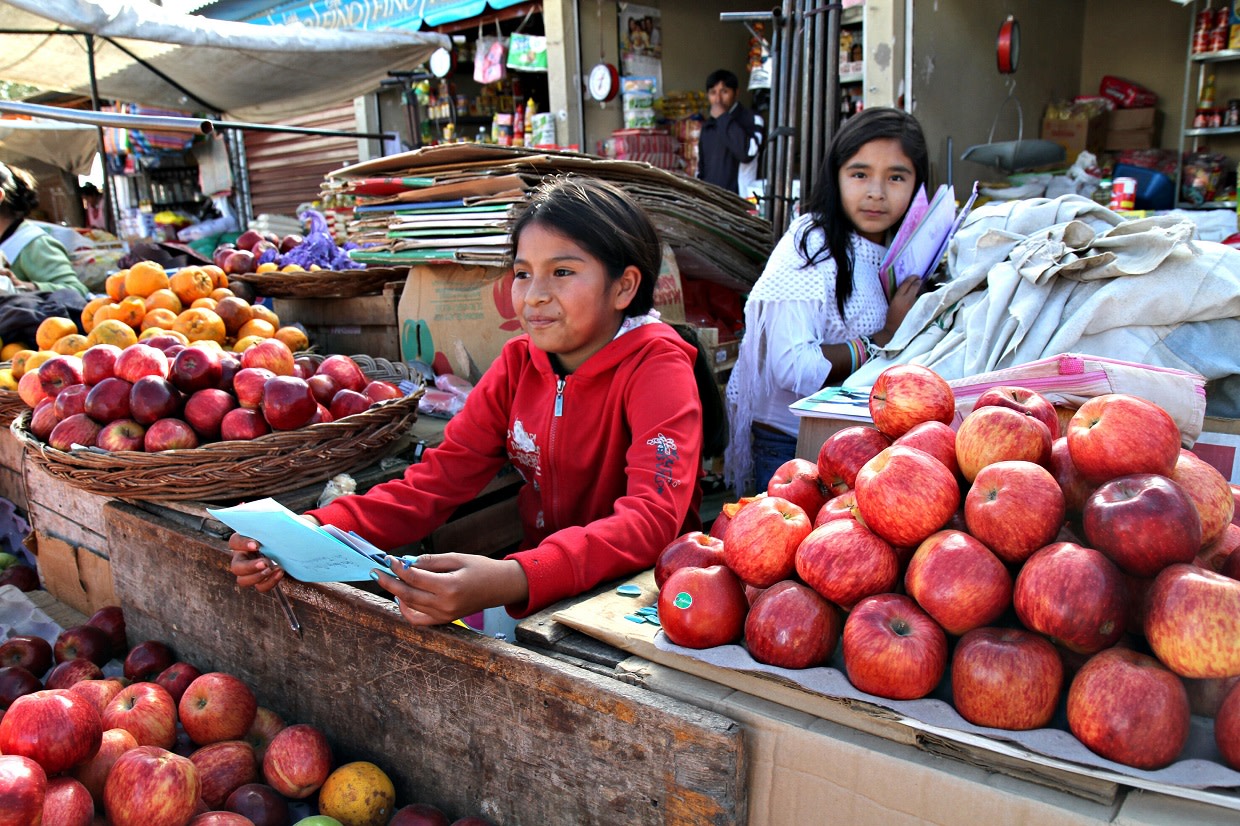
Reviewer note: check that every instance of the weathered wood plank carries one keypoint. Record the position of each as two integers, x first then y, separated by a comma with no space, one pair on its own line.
63,510
458,719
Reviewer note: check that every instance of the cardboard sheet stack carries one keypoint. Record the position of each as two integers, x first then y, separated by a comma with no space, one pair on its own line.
454,204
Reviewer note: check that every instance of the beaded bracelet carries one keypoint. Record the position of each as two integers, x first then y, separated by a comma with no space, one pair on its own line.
872,350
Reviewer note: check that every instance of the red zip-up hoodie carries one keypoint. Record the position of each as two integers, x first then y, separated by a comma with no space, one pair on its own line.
610,454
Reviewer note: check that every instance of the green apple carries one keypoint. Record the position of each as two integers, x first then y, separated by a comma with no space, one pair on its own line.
318,820
7,559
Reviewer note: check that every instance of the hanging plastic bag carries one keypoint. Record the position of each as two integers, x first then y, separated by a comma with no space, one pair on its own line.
527,52
489,57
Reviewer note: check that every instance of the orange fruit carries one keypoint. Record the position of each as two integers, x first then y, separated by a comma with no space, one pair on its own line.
358,794
19,362
207,302
40,356
144,278
166,299
7,382
52,328
256,327
150,332
221,292
211,344
88,312
243,344
112,331
267,266
114,285
11,349
294,337
160,317
199,323
70,345
130,310
266,314
218,278
292,268
190,283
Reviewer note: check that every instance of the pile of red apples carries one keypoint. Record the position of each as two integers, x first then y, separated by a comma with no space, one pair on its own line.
1026,570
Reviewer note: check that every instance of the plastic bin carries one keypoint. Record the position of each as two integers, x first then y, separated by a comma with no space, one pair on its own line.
1154,189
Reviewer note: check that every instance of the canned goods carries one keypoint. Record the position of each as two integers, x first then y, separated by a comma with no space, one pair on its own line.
1123,193
1232,116
1219,38
1222,18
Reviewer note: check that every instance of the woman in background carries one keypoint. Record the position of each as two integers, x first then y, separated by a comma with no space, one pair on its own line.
29,256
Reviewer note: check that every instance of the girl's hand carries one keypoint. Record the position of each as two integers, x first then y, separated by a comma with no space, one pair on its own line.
901,303
252,569
440,588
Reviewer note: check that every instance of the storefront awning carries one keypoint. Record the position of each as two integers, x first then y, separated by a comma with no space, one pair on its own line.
147,55
68,146
378,14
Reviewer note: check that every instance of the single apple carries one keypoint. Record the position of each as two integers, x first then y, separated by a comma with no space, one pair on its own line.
288,242
111,620
1206,487
238,262
796,480
15,682
59,372
1226,547
54,728
690,550
248,239
242,424
905,395
248,386
1074,595
99,362
44,419
76,430
146,711
297,761
72,400
1128,707
149,786
727,511
702,607
1022,400
844,561
165,342
67,803
1076,488
344,371
69,672
381,391
220,818
267,724
195,368
83,641
761,542
1143,522
223,767
217,706
1227,728
94,772
140,360
1192,621
169,434
270,354
176,678
1119,434
905,494
108,400
235,312
347,402
958,581
323,387
845,451
934,438
121,434
23,790
152,398
229,365
263,805
98,692
419,814
1006,678
146,659
843,506
892,648
791,626
998,434
1014,508
205,410
287,402
28,651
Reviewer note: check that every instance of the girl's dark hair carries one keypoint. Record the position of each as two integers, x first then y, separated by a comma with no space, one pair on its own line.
18,187
824,204
602,220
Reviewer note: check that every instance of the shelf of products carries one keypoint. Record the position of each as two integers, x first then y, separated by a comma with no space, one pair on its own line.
1210,120
852,61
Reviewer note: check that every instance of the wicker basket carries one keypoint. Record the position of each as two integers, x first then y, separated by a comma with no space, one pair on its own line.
11,404
321,283
227,471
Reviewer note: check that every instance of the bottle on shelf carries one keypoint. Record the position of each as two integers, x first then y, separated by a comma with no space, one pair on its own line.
1206,100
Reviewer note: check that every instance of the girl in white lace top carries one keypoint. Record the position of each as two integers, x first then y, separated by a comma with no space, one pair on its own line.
821,307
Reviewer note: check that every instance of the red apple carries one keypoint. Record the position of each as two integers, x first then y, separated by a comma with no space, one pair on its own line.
727,511
99,692
843,506
323,387
23,789
1022,400
71,671
21,576
381,391
59,372
845,562
229,365
905,395
247,239
221,253
419,814
997,434
205,410
28,651
297,761
893,649
1192,621
121,434
1118,434
347,402
238,262
99,362
905,494
195,368
1221,554
1076,488
260,803
150,786
83,641
176,678
1143,523
345,372
248,385
267,724
152,398
1074,595
1227,728
111,620
1014,508
140,360
71,400
44,419
703,607
796,480
243,423
1006,678
223,767
288,403
270,354
108,400
791,626
217,706
321,415
1127,707
170,344
15,682
691,550
94,772
146,659
75,430
169,434
958,581
934,438
220,818
146,711
54,728
1206,487
845,451
761,543
67,803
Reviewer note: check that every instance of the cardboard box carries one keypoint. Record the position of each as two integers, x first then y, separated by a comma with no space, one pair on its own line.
1117,140
1219,444
1123,119
1076,134
349,326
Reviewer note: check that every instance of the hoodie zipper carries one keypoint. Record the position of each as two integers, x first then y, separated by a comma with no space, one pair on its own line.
550,507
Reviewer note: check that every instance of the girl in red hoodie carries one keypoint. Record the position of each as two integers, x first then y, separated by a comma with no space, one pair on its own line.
596,405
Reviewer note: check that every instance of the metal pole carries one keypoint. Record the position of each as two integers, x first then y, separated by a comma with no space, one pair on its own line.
775,135
806,83
109,208
792,74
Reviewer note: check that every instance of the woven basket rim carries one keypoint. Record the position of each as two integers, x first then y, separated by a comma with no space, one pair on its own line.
322,283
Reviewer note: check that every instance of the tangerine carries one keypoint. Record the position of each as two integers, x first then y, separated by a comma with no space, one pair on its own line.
266,314
52,328
190,283
159,317
268,266
130,310
144,278
19,359
207,302
199,323
114,285
294,337
88,312
243,344
70,345
358,794
165,299
218,278
40,356
12,348
7,382
256,327
221,292
112,331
